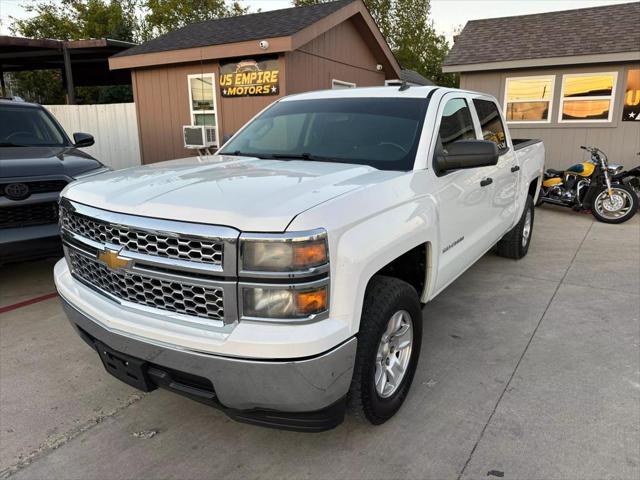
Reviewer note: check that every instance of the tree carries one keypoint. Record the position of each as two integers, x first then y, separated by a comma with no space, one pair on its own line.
410,33
163,16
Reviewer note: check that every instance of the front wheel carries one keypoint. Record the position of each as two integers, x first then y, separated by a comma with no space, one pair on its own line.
617,208
389,344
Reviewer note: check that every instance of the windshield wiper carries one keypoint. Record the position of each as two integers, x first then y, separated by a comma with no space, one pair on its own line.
239,153
305,156
286,156
11,144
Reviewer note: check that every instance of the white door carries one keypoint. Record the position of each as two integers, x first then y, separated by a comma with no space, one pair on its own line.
464,196
505,174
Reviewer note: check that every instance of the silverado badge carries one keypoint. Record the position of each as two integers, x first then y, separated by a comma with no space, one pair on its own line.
113,260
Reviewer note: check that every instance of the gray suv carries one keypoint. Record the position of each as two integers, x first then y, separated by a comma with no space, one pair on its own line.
37,160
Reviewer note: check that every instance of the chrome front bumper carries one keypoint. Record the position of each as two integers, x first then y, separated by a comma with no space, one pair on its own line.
302,385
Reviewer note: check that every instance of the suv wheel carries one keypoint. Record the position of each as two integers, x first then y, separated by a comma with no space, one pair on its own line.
389,344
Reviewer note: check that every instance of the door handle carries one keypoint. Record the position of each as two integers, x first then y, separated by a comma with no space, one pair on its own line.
515,168
486,181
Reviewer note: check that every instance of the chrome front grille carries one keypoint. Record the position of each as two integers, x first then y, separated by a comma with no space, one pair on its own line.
178,297
145,263
162,244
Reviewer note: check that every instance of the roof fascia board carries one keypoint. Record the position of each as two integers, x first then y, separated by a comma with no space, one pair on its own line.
545,62
196,54
350,10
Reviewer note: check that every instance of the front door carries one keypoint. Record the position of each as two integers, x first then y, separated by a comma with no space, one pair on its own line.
464,197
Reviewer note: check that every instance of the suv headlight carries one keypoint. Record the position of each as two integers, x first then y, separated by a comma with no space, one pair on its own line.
298,252
287,276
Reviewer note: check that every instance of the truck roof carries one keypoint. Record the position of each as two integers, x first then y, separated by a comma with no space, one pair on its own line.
380,92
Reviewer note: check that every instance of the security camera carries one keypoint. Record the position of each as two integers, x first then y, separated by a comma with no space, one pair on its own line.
263,44
378,67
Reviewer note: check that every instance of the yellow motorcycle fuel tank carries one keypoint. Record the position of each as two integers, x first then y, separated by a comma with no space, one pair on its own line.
584,169
550,182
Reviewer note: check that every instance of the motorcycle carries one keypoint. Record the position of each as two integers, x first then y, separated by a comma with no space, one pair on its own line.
595,185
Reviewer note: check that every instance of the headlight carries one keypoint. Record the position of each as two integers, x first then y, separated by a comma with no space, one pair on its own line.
284,303
296,252
615,168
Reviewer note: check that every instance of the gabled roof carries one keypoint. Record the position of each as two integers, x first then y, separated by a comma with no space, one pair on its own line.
411,76
285,30
255,26
588,32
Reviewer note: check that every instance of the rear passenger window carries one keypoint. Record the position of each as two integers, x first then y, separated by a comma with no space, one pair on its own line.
456,123
491,124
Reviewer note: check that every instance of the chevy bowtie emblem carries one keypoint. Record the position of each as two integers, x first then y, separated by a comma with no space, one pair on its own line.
112,260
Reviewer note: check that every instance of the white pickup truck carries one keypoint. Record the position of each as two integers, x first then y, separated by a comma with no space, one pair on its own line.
282,280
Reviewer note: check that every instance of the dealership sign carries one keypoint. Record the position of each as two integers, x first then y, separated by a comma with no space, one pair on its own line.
249,78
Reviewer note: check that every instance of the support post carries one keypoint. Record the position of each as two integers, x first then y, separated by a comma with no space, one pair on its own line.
3,87
68,75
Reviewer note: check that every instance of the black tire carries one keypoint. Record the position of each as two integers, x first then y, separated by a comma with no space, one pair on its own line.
632,211
513,244
384,297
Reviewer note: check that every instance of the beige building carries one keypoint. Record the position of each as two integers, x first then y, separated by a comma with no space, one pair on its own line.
570,78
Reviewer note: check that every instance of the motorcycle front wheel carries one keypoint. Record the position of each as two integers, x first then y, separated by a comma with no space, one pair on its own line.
620,207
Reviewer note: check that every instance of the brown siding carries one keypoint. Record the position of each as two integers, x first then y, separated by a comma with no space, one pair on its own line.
340,53
162,104
620,140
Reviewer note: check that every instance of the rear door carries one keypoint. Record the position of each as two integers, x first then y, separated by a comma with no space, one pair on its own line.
505,174
464,200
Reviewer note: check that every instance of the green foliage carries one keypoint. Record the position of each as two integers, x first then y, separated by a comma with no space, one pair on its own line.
166,15
410,33
79,19
41,86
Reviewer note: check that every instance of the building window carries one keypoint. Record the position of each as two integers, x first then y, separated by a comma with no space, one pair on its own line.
587,97
339,84
529,99
202,100
631,110
491,124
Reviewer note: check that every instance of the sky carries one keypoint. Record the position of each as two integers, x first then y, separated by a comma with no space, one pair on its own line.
448,15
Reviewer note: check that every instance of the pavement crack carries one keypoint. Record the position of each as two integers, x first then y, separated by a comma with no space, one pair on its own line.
58,441
524,352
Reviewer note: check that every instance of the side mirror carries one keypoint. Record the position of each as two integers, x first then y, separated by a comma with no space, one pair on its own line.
467,154
82,140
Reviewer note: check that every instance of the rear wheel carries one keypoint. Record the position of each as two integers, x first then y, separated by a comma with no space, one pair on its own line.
389,344
617,208
515,244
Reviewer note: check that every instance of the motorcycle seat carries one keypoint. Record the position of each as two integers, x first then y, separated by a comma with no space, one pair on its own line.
553,171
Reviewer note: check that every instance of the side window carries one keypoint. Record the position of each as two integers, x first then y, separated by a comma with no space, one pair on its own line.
491,123
456,123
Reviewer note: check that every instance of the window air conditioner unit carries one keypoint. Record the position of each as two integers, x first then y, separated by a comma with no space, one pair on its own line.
199,136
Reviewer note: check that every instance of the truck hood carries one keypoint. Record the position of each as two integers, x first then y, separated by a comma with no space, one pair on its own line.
36,161
246,193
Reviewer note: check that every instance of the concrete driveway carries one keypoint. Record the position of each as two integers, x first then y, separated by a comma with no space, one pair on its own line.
529,370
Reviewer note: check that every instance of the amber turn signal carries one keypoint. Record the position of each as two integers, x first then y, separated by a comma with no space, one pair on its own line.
310,254
310,302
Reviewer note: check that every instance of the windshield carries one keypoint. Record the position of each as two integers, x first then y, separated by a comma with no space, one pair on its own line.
380,132
27,126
